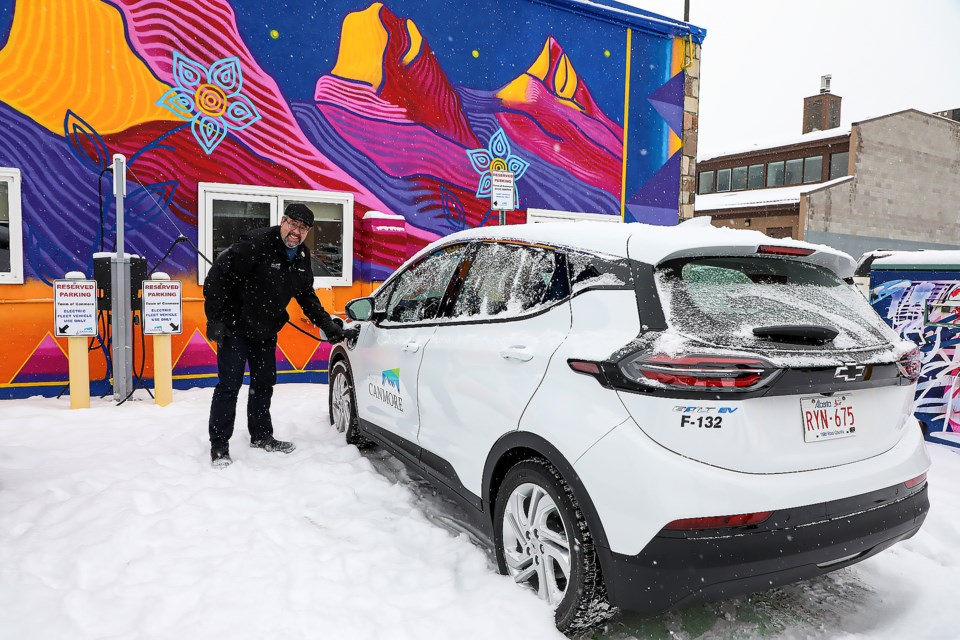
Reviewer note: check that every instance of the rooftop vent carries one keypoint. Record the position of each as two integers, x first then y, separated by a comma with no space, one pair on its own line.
825,83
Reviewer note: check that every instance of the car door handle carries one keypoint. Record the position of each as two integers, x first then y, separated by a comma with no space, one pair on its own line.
411,346
517,353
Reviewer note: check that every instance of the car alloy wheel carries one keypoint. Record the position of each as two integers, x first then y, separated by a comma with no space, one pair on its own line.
542,541
535,543
343,406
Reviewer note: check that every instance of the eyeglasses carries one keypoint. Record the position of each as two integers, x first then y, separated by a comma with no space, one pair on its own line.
297,226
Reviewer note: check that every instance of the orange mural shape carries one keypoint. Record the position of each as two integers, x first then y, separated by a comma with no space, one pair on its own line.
73,55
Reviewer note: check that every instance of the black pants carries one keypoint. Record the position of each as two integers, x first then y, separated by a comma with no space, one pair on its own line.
233,353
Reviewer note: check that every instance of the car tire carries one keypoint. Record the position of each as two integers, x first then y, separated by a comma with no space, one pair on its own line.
343,405
542,540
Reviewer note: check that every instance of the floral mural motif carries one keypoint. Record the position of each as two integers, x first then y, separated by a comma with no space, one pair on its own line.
497,156
210,99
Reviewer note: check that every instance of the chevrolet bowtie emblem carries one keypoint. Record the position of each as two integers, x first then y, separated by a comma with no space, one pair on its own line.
849,372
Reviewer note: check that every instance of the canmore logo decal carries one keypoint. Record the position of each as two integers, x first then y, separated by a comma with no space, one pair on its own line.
391,378
384,392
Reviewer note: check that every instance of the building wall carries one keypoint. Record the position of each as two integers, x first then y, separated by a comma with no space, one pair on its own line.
405,106
904,191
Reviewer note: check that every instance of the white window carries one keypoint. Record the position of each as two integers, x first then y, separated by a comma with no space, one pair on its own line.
11,228
228,210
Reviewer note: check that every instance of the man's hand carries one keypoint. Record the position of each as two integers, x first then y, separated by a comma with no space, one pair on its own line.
216,332
334,335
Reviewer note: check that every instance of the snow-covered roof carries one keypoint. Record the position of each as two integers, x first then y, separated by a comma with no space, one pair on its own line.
927,258
773,143
760,197
654,244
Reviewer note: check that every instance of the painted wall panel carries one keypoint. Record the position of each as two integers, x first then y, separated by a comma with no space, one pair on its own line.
403,105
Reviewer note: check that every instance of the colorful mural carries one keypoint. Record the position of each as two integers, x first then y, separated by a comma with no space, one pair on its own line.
920,310
405,106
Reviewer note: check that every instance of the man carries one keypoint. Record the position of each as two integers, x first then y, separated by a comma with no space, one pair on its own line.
246,294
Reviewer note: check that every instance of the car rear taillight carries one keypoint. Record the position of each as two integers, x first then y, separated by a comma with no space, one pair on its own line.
909,365
774,250
920,479
699,372
719,522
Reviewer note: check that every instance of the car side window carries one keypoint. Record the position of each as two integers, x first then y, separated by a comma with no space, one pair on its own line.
508,280
417,292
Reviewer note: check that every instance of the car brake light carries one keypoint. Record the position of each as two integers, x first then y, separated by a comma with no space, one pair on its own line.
771,249
910,364
588,367
716,373
920,479
719,522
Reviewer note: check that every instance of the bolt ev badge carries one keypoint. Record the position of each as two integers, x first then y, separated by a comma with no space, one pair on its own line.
849,372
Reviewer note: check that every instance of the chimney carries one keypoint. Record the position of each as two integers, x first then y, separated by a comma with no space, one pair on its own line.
822,111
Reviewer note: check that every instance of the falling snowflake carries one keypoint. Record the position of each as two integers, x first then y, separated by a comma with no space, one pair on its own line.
496,157
210,99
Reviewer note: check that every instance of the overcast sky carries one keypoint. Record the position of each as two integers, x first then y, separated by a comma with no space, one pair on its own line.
762,57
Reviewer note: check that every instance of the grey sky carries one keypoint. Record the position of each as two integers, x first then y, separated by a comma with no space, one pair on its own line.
762,57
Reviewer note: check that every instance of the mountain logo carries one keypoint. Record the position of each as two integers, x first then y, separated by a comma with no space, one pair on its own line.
391,378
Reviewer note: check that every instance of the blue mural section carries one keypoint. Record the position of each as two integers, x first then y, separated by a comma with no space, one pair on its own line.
919,306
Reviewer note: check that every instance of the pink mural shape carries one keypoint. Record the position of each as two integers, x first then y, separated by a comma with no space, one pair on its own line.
320,360
197,358
283,362
47,363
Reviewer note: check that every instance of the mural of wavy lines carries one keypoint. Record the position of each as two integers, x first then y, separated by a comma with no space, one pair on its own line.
45,69
206,32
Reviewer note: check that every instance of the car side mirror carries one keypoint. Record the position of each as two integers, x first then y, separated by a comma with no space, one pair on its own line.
360,309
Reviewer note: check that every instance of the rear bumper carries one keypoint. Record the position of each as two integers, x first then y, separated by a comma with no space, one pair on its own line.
679,568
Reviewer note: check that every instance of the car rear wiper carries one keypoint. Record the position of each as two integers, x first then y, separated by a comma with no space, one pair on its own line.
797,333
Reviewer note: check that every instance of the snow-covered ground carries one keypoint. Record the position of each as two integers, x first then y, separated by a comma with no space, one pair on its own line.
114,525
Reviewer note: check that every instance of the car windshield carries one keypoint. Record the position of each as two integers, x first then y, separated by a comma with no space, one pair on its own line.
722,300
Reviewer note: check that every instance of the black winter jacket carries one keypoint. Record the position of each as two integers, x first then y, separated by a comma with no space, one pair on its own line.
251,283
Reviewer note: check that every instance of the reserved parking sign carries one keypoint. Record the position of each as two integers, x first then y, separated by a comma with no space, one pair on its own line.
162,307
75,308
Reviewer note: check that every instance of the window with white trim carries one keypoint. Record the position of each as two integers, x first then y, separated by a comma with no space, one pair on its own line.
228,210
11,228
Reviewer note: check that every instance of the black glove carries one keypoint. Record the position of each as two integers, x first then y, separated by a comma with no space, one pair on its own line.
334,334
217,331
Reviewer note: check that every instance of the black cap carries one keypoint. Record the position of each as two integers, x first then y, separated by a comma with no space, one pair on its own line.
299,211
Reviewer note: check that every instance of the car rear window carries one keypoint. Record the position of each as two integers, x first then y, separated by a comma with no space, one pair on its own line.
723,299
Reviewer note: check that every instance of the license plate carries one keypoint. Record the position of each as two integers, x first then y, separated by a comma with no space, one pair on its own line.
828,417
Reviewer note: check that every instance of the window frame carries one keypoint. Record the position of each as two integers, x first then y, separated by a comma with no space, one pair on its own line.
814,178
728,172
771,172
790,170
14,182
207,192
846,165
711,184
763,175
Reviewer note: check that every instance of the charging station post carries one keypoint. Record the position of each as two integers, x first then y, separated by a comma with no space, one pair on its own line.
120,293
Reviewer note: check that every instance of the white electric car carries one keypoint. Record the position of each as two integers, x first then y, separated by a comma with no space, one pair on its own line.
642,417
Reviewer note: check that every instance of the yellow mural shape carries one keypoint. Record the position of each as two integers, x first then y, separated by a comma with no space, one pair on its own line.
363,42
674,143
416,42
563,83
73,55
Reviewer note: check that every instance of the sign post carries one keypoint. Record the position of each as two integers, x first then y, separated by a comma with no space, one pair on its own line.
162,317
75,318
502,189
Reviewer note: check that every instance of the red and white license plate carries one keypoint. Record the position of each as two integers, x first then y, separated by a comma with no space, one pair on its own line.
828,417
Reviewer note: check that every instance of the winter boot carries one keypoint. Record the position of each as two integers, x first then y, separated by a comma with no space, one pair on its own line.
272,444
220,458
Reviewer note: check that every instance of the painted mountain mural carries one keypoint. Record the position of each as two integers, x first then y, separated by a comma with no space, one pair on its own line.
407,107
395,121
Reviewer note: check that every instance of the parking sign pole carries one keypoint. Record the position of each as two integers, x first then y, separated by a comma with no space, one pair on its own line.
162,364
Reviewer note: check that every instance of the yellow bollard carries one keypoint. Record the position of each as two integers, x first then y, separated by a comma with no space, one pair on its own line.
162,371
79,373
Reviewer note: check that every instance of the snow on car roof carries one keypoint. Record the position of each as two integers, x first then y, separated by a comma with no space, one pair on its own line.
927,258
654,244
